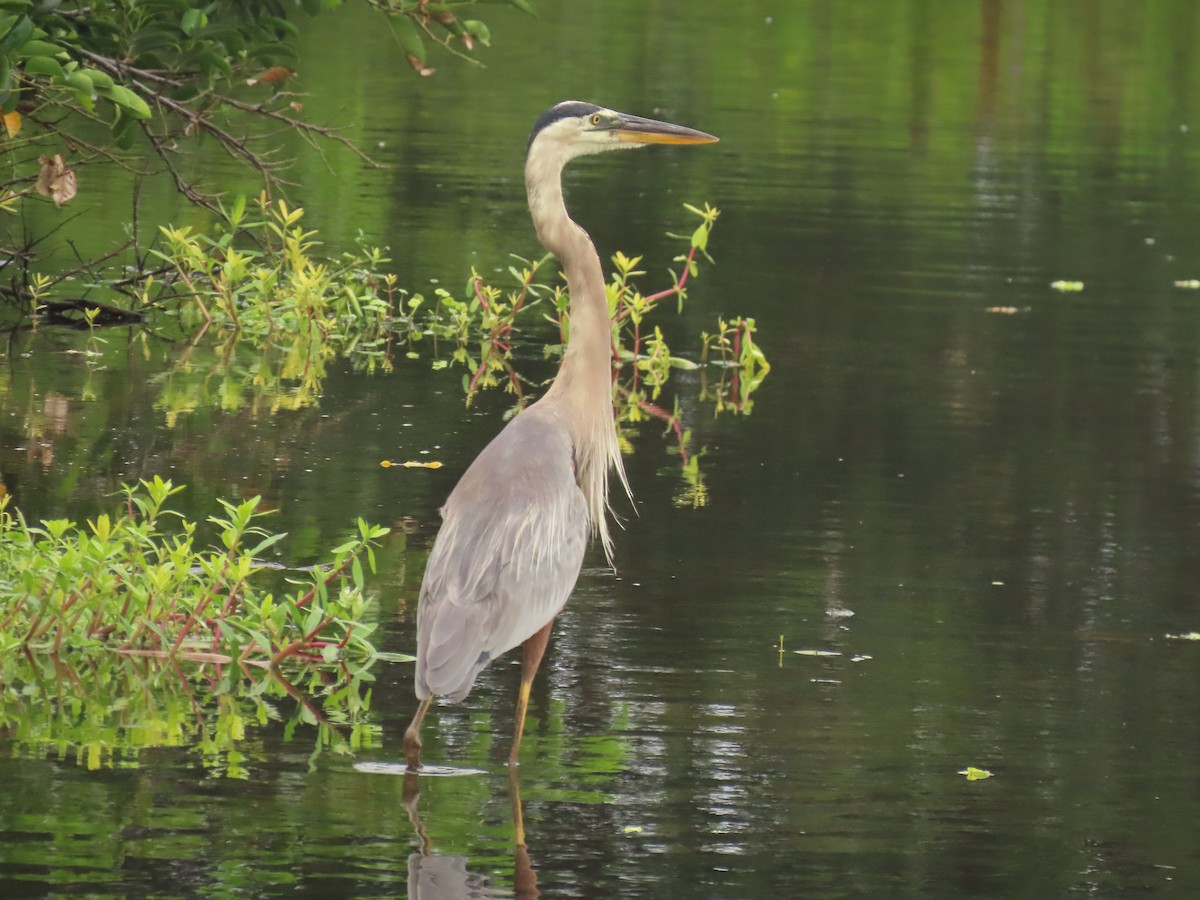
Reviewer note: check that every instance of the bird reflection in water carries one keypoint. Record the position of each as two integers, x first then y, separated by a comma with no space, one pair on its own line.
438,876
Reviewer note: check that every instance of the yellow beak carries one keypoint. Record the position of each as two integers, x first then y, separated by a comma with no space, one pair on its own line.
637,130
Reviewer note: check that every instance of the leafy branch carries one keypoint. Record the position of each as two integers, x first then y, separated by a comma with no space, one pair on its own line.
126,584
171,71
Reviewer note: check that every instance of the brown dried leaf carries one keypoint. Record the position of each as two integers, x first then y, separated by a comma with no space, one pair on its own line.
421,68
56,180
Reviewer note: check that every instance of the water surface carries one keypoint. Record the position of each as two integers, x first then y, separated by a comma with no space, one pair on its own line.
998,479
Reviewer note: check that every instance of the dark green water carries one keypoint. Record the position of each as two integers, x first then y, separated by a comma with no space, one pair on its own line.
1000,480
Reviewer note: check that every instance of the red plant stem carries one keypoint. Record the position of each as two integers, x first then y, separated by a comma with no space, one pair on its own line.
129,640
637,349
516,384
191,620
299,644
477,285
478,374
520,301
299,697
17,607
658,412
231,600
303,601
682,280
33,626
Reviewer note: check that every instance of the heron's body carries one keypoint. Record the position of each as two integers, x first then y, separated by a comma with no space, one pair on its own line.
527,529
516,525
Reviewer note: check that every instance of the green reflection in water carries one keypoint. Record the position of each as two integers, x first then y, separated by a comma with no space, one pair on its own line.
111,711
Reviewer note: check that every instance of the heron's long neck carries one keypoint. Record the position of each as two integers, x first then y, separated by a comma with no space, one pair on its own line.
582,389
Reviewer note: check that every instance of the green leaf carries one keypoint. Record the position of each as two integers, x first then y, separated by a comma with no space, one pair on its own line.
128,101
479,31
389,656
44,65
20,32
280,26
410,39
38,48
85,93
100,80
211,62
192,20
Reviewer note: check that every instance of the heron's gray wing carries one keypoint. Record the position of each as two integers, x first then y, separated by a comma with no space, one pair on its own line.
508,554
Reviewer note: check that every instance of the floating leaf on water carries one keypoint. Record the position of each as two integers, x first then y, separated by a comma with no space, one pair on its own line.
633,829
1003,310
1067,287
395,657
1189,636
818,652
974,774
410,464
1189,284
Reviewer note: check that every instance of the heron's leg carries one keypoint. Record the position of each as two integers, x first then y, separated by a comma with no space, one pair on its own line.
412,735
531,658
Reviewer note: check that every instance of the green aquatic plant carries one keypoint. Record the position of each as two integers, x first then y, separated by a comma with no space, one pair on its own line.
281,296
127,633
141,583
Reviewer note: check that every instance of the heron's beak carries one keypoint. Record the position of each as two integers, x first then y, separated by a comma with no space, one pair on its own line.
637,130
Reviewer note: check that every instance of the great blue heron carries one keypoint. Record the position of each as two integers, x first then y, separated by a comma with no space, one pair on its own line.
515,527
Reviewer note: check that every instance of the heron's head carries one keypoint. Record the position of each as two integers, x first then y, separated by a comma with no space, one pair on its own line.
572,129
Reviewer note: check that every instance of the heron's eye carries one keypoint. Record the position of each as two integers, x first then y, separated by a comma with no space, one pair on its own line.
597,118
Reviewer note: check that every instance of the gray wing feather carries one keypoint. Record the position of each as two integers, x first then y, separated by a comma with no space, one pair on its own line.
508,554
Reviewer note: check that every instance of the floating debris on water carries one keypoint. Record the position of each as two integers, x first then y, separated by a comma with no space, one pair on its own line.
371,767
974,774
1067,287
